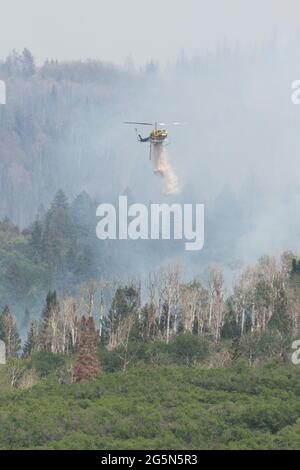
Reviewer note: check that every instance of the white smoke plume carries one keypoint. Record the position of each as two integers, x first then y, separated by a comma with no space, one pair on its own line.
162,167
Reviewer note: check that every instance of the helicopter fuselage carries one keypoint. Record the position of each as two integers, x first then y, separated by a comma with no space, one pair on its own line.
157,136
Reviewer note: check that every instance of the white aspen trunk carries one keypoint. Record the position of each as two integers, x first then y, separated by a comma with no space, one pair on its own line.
243,321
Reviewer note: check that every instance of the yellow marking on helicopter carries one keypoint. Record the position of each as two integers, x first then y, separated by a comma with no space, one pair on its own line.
158,135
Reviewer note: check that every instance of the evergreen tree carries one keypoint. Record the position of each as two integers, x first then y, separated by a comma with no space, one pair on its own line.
149,327
295,267
87,364
60,201
83,215
295,274
126,301
59,235
26,320
280,319
28,63
31,344
36,241
50,307
51,303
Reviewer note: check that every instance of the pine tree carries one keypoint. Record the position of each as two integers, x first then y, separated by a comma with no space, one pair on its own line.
9,333
51,306
60,201
26,320
231,328
87,363
83,210
28,63
51,303
59,235
31,344
280,319
36,241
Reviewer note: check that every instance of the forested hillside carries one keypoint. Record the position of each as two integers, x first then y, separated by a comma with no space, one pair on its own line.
62,129
153,363
63,149
48,129
256,320
149,228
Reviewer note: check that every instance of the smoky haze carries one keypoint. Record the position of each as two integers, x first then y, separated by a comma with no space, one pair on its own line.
116,30
239,154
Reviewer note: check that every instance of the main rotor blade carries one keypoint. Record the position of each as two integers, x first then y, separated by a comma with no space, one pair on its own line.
176,123
141,123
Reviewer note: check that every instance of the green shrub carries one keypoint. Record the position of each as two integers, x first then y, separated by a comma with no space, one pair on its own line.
262,347
46,363
188,349
122,357
158,408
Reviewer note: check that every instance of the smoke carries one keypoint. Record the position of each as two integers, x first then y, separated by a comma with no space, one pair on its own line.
239,154
162,167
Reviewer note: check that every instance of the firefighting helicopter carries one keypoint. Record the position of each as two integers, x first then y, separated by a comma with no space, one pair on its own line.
158,136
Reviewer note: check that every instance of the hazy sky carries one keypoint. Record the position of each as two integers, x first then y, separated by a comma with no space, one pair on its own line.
115,29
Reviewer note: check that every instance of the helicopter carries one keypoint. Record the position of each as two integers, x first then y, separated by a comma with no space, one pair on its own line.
157,139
